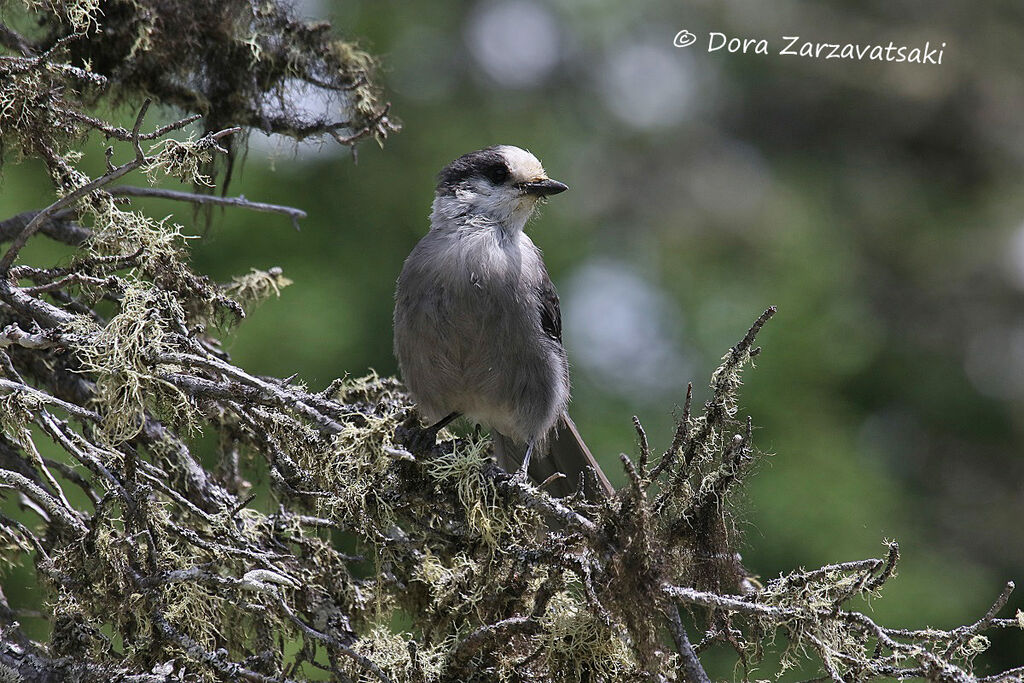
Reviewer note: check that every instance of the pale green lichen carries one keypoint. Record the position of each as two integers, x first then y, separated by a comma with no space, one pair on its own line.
391,653
116,231
80,15
148,551
17,110
462,470
16,409
452,581
181,159
256,286
29,118
199,610
577,645
123,357
356,470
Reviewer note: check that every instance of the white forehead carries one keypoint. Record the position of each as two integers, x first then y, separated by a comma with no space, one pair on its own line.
521,164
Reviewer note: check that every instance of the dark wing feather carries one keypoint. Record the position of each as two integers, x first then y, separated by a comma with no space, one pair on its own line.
550,311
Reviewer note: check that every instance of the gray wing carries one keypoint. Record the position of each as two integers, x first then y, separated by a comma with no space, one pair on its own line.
550,311
567,452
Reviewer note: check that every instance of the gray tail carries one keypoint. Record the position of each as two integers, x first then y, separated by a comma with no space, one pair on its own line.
567,453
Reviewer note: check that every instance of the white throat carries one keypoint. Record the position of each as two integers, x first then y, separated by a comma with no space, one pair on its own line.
468,209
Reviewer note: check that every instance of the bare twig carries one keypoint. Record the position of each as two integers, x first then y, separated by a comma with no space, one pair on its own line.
964,633
486,563
13,40
9,387
679,438
645,448
378,122
715,410
231,670
334,644
51,505
891,560
692,668
57,226
239,202
284,397
12,335
125,135
503,629
532,498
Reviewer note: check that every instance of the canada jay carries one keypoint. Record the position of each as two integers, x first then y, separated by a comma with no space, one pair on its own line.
478,330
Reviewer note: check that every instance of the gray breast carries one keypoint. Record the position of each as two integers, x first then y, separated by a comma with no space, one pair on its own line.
468,337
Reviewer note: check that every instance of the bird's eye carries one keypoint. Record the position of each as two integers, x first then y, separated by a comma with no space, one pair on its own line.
497,174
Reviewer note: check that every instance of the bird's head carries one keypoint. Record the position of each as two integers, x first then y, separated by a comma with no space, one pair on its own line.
502,184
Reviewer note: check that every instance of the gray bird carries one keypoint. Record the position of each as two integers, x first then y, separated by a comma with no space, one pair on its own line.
478,330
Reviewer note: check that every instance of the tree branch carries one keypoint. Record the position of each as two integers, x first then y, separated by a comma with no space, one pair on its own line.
239,202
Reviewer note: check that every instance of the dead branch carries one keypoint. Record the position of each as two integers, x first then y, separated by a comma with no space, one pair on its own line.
239,202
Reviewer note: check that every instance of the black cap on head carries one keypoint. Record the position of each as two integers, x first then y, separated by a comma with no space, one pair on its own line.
487,163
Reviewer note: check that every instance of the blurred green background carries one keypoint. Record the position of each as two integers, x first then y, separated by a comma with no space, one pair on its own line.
879,206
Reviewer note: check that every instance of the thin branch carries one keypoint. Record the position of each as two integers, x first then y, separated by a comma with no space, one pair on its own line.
9,387
239,201
67,200
231,670
13,335
645,448
57,226
333,643
729,603
534,499
74,279
1014,675
13,40
891,560
44,500
826,654
8,524
964,633
125,135
284,397
110,176
380,120
66,438
715,411
503,629
679,438
25,64
692,667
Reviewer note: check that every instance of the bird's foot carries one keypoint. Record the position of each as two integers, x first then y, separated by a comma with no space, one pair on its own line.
423,439
522,475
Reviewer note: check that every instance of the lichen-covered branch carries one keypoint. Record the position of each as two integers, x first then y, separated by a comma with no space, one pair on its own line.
161,561
225,62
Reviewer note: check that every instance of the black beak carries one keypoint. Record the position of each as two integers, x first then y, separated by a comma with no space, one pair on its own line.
543,188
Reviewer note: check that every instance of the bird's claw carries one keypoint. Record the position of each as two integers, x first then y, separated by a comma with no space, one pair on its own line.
422,440
415,438
521,476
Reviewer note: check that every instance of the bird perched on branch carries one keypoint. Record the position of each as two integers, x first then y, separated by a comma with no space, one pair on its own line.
478,330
